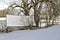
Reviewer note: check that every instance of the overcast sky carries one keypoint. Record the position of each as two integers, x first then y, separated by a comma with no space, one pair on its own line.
4,3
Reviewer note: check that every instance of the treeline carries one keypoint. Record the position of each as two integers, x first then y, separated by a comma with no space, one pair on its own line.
43,10
3,13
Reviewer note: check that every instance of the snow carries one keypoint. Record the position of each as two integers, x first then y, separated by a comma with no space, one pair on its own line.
2,18
17,20
52,33
20,20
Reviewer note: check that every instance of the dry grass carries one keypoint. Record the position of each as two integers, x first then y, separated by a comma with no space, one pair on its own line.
3,13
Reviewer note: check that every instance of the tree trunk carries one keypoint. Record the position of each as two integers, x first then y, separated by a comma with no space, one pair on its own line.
36,17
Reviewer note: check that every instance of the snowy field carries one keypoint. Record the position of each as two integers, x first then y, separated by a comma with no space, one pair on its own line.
52,33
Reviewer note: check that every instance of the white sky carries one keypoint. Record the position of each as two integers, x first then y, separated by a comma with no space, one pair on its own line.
4,3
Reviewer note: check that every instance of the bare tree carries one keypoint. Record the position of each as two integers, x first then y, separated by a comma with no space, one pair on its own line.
50,14
36,11
26,7
54,12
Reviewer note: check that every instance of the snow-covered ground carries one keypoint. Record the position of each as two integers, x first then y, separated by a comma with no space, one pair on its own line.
52,33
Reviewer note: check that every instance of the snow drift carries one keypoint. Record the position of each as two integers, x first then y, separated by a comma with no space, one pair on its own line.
52,33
